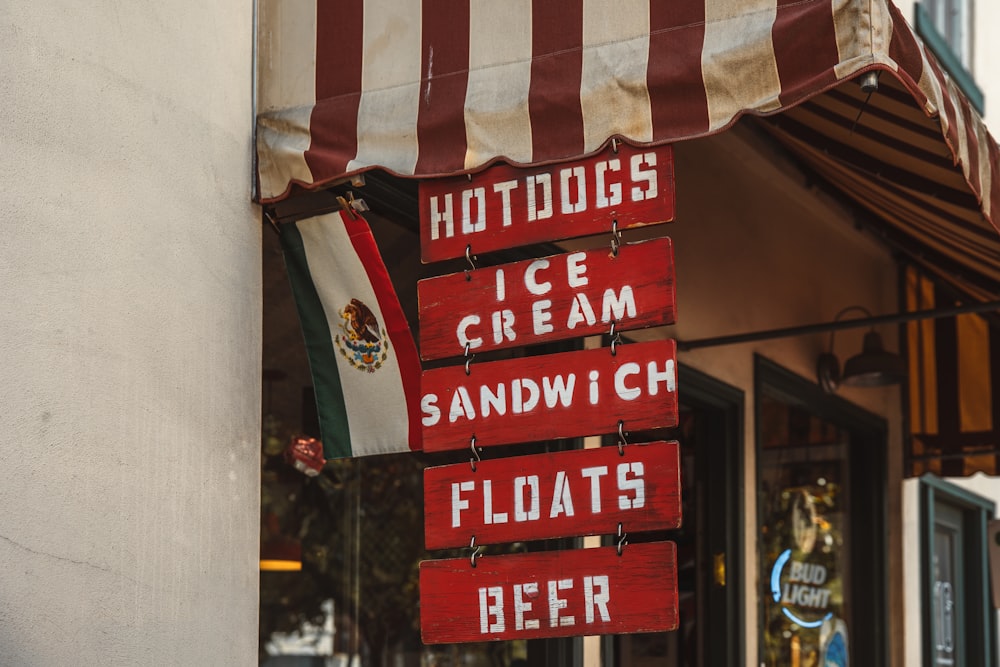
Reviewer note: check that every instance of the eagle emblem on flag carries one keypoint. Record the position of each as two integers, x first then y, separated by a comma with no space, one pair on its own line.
363,342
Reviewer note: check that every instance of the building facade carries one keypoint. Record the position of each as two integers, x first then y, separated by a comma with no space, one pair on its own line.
147,293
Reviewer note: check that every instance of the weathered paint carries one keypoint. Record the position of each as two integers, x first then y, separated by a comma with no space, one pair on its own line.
547,299
562,494
563,395
506,207
550,594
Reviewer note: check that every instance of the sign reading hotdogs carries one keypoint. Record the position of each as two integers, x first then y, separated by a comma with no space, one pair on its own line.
565,395
562,494
506,207
546,299
550,594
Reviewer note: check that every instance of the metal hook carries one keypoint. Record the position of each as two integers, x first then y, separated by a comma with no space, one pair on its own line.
345,206
616,238
622,539
614,145
477,552
621,438
471,259
468,359
616,338
475,453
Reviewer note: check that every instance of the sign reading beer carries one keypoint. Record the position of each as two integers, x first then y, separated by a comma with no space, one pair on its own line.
563,395
552,298
506,207
564,494
550,594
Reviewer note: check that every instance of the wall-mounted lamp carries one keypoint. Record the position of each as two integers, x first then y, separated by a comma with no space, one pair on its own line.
873,367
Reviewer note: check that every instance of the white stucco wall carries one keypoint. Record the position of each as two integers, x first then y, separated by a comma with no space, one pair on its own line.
129,335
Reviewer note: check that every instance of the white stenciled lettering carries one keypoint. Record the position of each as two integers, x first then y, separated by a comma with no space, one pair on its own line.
531,282
624,392
647,176
556,604
503,326
533,513
461,406
596,595
636,485
594,474
428,406
470,226
562,499
568,205
595,394
489,516
490,402
618,306
501,286
463,335
580,311
491,618
504,189
558,390
575,268
458,503
608,195
520,403
666,376
522,606
540,317
532,183
447,216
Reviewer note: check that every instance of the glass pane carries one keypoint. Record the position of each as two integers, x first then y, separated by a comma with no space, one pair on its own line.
945,587
804,489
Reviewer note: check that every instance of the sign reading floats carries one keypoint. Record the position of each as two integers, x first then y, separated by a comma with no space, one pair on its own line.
562,494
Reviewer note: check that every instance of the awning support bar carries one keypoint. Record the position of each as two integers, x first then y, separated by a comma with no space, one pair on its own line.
857,323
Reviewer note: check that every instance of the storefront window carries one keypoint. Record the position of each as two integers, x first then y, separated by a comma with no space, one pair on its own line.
340,551
805,534
821,526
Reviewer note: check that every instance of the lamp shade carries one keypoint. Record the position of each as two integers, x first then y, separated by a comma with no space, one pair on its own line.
874,367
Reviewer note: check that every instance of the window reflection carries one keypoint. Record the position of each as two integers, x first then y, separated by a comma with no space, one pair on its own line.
804,536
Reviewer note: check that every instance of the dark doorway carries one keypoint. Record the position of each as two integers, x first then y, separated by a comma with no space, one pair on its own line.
710,543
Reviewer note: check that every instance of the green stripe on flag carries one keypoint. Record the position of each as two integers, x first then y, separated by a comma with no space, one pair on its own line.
334,427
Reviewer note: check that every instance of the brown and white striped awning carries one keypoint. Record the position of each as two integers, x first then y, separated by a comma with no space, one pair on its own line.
433,87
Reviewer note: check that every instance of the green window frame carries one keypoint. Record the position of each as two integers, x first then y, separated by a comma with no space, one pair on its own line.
947,56
970,610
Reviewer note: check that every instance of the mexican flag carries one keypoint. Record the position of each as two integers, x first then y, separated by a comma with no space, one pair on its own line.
365,369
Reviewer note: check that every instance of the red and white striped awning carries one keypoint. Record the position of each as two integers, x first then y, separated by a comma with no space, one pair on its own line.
437,87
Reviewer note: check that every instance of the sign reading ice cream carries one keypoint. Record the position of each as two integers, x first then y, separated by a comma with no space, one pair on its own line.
547,299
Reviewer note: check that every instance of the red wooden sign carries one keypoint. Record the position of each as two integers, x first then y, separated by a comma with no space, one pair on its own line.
550,594
563,395
506,207
552,298
564,494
